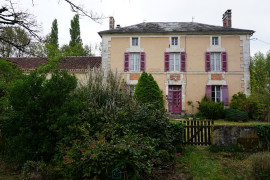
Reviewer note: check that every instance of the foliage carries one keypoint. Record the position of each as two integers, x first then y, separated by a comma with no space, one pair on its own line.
36,170
15,35
211,109
9,73
75,32
117,132
54,34
260,165
260,80
41,115
231,149
248,104
235,115
147,91
263,131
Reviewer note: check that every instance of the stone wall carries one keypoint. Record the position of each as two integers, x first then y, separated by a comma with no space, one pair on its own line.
243,136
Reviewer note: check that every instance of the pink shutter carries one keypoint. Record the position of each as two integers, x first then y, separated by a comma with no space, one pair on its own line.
224,61
207,61
166,61
208,91
183,61
142,61
225,96
126,62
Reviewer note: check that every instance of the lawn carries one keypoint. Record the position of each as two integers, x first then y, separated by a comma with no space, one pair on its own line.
223,122
200,163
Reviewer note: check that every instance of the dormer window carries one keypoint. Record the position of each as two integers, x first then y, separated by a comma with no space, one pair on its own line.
174,41
214,40
135,41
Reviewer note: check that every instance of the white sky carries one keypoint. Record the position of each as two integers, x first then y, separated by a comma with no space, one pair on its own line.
246,14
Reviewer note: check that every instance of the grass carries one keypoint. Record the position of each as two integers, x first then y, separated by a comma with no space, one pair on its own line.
200,163
223,122
7,172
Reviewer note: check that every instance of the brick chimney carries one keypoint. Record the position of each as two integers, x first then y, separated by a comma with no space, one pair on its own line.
111,23
227,18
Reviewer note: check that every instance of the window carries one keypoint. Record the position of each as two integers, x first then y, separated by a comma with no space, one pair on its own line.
174,61
214,40
174,41
135,41
131,89
134,62
216,93
215,62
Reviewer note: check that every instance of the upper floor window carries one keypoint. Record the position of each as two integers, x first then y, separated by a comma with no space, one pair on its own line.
134,62
174,61
174,41
215,62
135,41
214,40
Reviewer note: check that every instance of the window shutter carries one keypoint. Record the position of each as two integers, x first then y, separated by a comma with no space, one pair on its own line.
224,61
225,97
208,91
142,61
207,61
183,61
126,62
166,61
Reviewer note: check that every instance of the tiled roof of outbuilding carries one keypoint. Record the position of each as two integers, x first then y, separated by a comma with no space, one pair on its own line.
68,63
175,27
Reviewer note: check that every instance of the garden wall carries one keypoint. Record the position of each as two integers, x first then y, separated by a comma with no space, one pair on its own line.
229,135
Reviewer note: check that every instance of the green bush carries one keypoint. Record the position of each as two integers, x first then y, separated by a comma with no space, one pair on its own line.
211,109
148,91
235,115
260,163
263,131
248,104
36,170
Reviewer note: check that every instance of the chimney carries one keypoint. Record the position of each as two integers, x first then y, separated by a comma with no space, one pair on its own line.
111,23
227,18
118,26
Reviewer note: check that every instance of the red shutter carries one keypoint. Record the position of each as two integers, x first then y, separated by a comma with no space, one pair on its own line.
183,61
208,91
224,61
142,61
225,95
207,61
166,61
126,62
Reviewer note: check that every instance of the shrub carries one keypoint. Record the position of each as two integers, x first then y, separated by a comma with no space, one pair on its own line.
211,109
147,91
235,115
248,104
36,170
263,131
260,163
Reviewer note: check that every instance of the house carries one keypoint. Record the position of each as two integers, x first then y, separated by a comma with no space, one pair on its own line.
78,65
187,59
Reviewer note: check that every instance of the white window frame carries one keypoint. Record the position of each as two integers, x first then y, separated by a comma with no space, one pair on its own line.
173,56
174,41
215,40
214,90
214,61
134,62
133,38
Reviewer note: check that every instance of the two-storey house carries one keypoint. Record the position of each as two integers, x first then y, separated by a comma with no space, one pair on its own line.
187,59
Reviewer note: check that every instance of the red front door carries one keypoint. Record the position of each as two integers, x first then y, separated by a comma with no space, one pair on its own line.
175,99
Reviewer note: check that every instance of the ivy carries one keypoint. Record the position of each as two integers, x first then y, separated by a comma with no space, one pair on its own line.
263,131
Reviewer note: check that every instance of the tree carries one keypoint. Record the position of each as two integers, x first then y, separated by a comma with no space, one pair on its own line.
148,91
11,16
75,32
54,35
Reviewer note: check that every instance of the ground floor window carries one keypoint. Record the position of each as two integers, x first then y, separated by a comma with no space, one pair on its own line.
216,93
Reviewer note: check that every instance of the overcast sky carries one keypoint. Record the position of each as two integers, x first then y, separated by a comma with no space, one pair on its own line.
246,14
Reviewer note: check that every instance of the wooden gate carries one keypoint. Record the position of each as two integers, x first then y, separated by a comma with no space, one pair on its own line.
197,132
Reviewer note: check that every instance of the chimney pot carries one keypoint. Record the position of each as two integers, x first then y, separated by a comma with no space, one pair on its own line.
227,18
111,23
118,26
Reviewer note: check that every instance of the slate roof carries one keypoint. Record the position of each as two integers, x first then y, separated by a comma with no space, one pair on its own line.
175,27
80,63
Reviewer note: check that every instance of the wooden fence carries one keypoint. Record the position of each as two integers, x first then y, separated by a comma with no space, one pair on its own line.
197,132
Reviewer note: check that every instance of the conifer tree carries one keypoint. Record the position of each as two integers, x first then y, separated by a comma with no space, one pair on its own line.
54,34
148,91
75,33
